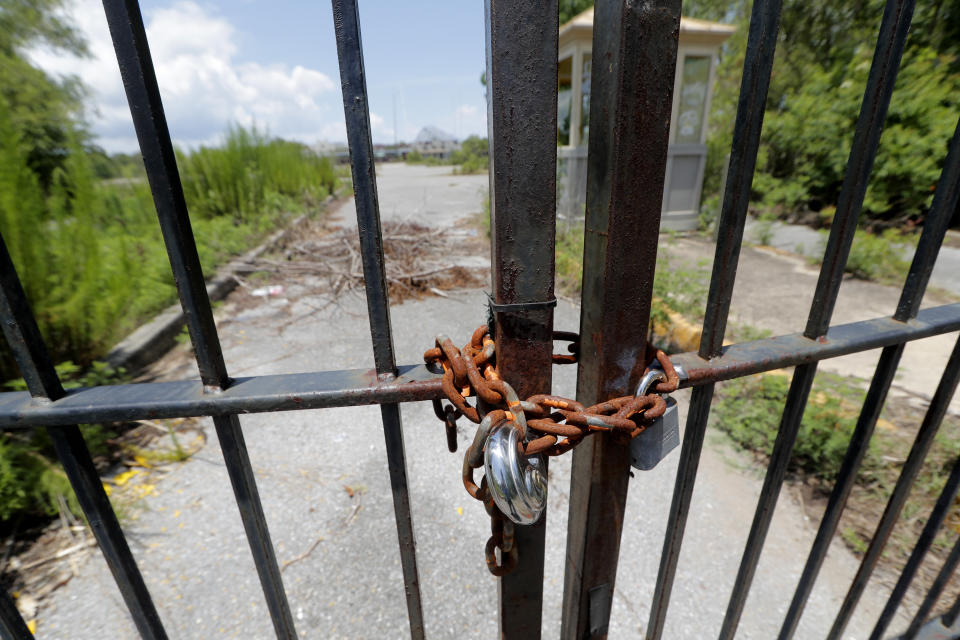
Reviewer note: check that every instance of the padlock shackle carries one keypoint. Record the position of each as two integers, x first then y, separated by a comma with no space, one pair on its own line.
651,376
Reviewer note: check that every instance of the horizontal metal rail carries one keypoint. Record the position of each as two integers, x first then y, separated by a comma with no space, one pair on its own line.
354,387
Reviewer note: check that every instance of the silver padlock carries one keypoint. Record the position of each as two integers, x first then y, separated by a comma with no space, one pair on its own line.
662,436
517,483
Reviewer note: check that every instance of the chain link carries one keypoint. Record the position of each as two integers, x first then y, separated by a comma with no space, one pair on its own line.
541,420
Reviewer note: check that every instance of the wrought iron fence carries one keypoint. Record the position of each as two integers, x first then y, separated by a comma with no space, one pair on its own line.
626,162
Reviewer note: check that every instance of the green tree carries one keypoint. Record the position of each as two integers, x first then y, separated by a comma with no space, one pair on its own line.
45,111
822,60
571,8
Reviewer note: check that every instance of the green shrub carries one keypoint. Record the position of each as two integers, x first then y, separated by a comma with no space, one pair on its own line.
250,174
876,257
32,482
820,71
678,288
472,157
90,254
749,411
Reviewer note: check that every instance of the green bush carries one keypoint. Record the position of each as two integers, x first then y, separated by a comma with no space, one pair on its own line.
31,479
678,288
250,174
749,411
806,138
878,257
90,254
472,157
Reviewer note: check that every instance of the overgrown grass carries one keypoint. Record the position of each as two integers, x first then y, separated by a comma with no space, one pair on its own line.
90,254
748,410
876,257
472,157
93,264
30,478
676,287
250,175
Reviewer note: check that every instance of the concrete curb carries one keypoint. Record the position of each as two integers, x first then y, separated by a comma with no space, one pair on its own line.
679,334
150,341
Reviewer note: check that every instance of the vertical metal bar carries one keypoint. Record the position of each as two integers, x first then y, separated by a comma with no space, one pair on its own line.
522,132
758,63
945,202
30,352
846,477
635,49
950,617
143,95
927,536
946,198
346,19
12,626
876,99
936,589
928,429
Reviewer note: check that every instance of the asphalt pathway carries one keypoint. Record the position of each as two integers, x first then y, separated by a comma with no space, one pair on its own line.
326,493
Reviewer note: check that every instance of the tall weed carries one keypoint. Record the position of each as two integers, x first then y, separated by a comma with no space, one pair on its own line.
90,254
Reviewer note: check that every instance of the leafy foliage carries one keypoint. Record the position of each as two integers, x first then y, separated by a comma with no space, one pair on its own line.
472,156
802,165
45,111
571,8
822,61
90,252
878,257
749,412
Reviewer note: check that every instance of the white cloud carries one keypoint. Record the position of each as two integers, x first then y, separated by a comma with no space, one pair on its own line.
203,85
467,111
470,119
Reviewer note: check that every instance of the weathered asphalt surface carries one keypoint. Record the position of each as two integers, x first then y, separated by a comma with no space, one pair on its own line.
809,242
191,547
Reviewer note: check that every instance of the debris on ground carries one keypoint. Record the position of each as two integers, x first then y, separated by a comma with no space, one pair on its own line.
420,261
43,556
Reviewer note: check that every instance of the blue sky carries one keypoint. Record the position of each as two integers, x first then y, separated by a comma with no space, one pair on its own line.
274,62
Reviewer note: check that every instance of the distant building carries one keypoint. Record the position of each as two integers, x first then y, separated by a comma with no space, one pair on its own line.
434,142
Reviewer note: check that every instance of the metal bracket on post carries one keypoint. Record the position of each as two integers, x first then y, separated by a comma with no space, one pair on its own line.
601,597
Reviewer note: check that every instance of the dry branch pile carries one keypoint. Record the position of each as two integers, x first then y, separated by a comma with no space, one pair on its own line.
418,260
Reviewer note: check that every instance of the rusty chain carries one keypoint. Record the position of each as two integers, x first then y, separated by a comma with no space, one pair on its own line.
541,420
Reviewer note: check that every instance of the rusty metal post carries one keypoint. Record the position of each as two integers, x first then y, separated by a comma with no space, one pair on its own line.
634,58
522,124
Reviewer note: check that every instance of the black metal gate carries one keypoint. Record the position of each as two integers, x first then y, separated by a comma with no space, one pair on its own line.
630,117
